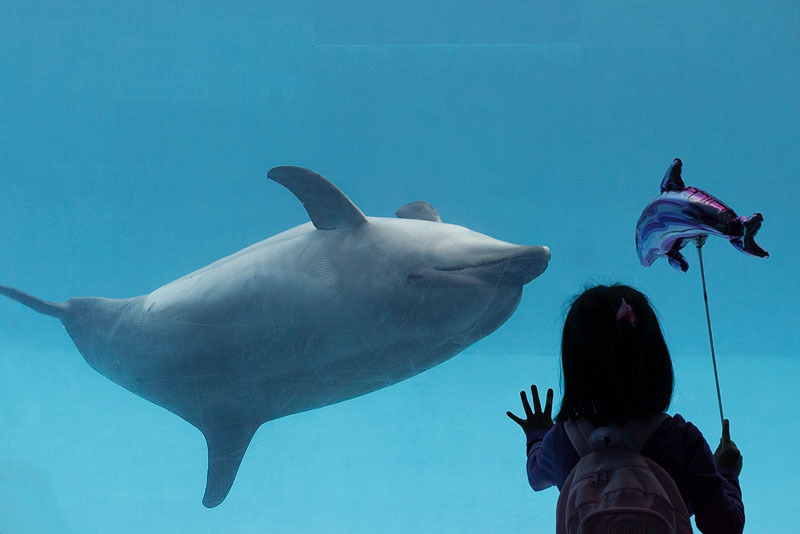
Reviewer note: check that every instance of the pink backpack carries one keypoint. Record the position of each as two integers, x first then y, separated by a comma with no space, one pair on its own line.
614,489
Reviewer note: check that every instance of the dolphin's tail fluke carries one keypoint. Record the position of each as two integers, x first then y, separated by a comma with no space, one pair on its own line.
54,309
747,243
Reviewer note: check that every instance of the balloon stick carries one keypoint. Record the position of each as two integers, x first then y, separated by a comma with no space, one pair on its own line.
700,242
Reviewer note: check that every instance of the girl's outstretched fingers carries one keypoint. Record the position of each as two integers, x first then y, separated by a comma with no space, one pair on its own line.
526,405
537,405
535,419
524,423
548,404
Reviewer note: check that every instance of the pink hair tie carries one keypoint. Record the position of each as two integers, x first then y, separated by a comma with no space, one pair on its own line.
626,311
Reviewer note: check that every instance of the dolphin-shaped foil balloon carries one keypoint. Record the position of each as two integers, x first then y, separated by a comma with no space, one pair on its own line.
329,310
682,213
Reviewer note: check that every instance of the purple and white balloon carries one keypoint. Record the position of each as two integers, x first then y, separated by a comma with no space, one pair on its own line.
681,214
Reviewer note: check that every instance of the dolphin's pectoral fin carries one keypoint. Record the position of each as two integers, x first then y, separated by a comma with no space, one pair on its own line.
226,447
418,210
325,204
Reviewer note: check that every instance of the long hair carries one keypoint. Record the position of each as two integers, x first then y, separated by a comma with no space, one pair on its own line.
613,369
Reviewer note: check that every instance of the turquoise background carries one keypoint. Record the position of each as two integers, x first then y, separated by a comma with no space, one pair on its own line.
135,143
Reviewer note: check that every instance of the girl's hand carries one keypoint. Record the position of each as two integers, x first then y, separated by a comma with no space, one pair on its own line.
536,419
727,455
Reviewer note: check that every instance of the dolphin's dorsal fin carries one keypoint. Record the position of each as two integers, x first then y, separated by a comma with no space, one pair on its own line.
418,210
325,204
672,179
226,447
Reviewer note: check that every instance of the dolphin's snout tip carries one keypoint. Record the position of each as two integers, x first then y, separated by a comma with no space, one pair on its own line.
540,253
545,252
529,263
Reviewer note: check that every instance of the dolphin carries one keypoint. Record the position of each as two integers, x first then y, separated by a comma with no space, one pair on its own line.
323,312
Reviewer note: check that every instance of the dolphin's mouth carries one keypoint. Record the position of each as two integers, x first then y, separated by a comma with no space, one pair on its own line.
518,268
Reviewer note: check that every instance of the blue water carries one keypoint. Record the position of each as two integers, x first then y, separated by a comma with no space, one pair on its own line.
135,143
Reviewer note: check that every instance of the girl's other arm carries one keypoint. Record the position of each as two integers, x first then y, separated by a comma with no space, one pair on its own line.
714,491
536,424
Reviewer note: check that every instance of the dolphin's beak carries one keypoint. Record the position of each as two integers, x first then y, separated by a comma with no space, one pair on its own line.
515,265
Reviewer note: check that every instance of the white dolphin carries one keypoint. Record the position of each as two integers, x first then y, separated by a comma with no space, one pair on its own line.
320,313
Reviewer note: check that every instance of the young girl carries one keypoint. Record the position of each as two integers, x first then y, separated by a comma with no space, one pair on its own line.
616,367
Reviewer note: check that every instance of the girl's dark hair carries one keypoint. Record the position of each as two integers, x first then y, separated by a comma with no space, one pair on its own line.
613,370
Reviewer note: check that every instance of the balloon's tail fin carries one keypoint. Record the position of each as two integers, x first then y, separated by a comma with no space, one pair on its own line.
747,242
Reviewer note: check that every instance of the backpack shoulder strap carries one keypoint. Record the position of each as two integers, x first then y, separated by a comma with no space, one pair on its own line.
578,432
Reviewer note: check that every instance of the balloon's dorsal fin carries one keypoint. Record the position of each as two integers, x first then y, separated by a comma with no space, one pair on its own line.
325,204
672,179
226,447
418,210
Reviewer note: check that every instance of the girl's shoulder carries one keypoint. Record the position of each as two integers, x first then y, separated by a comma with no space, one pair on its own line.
556,437
675,441
677,426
